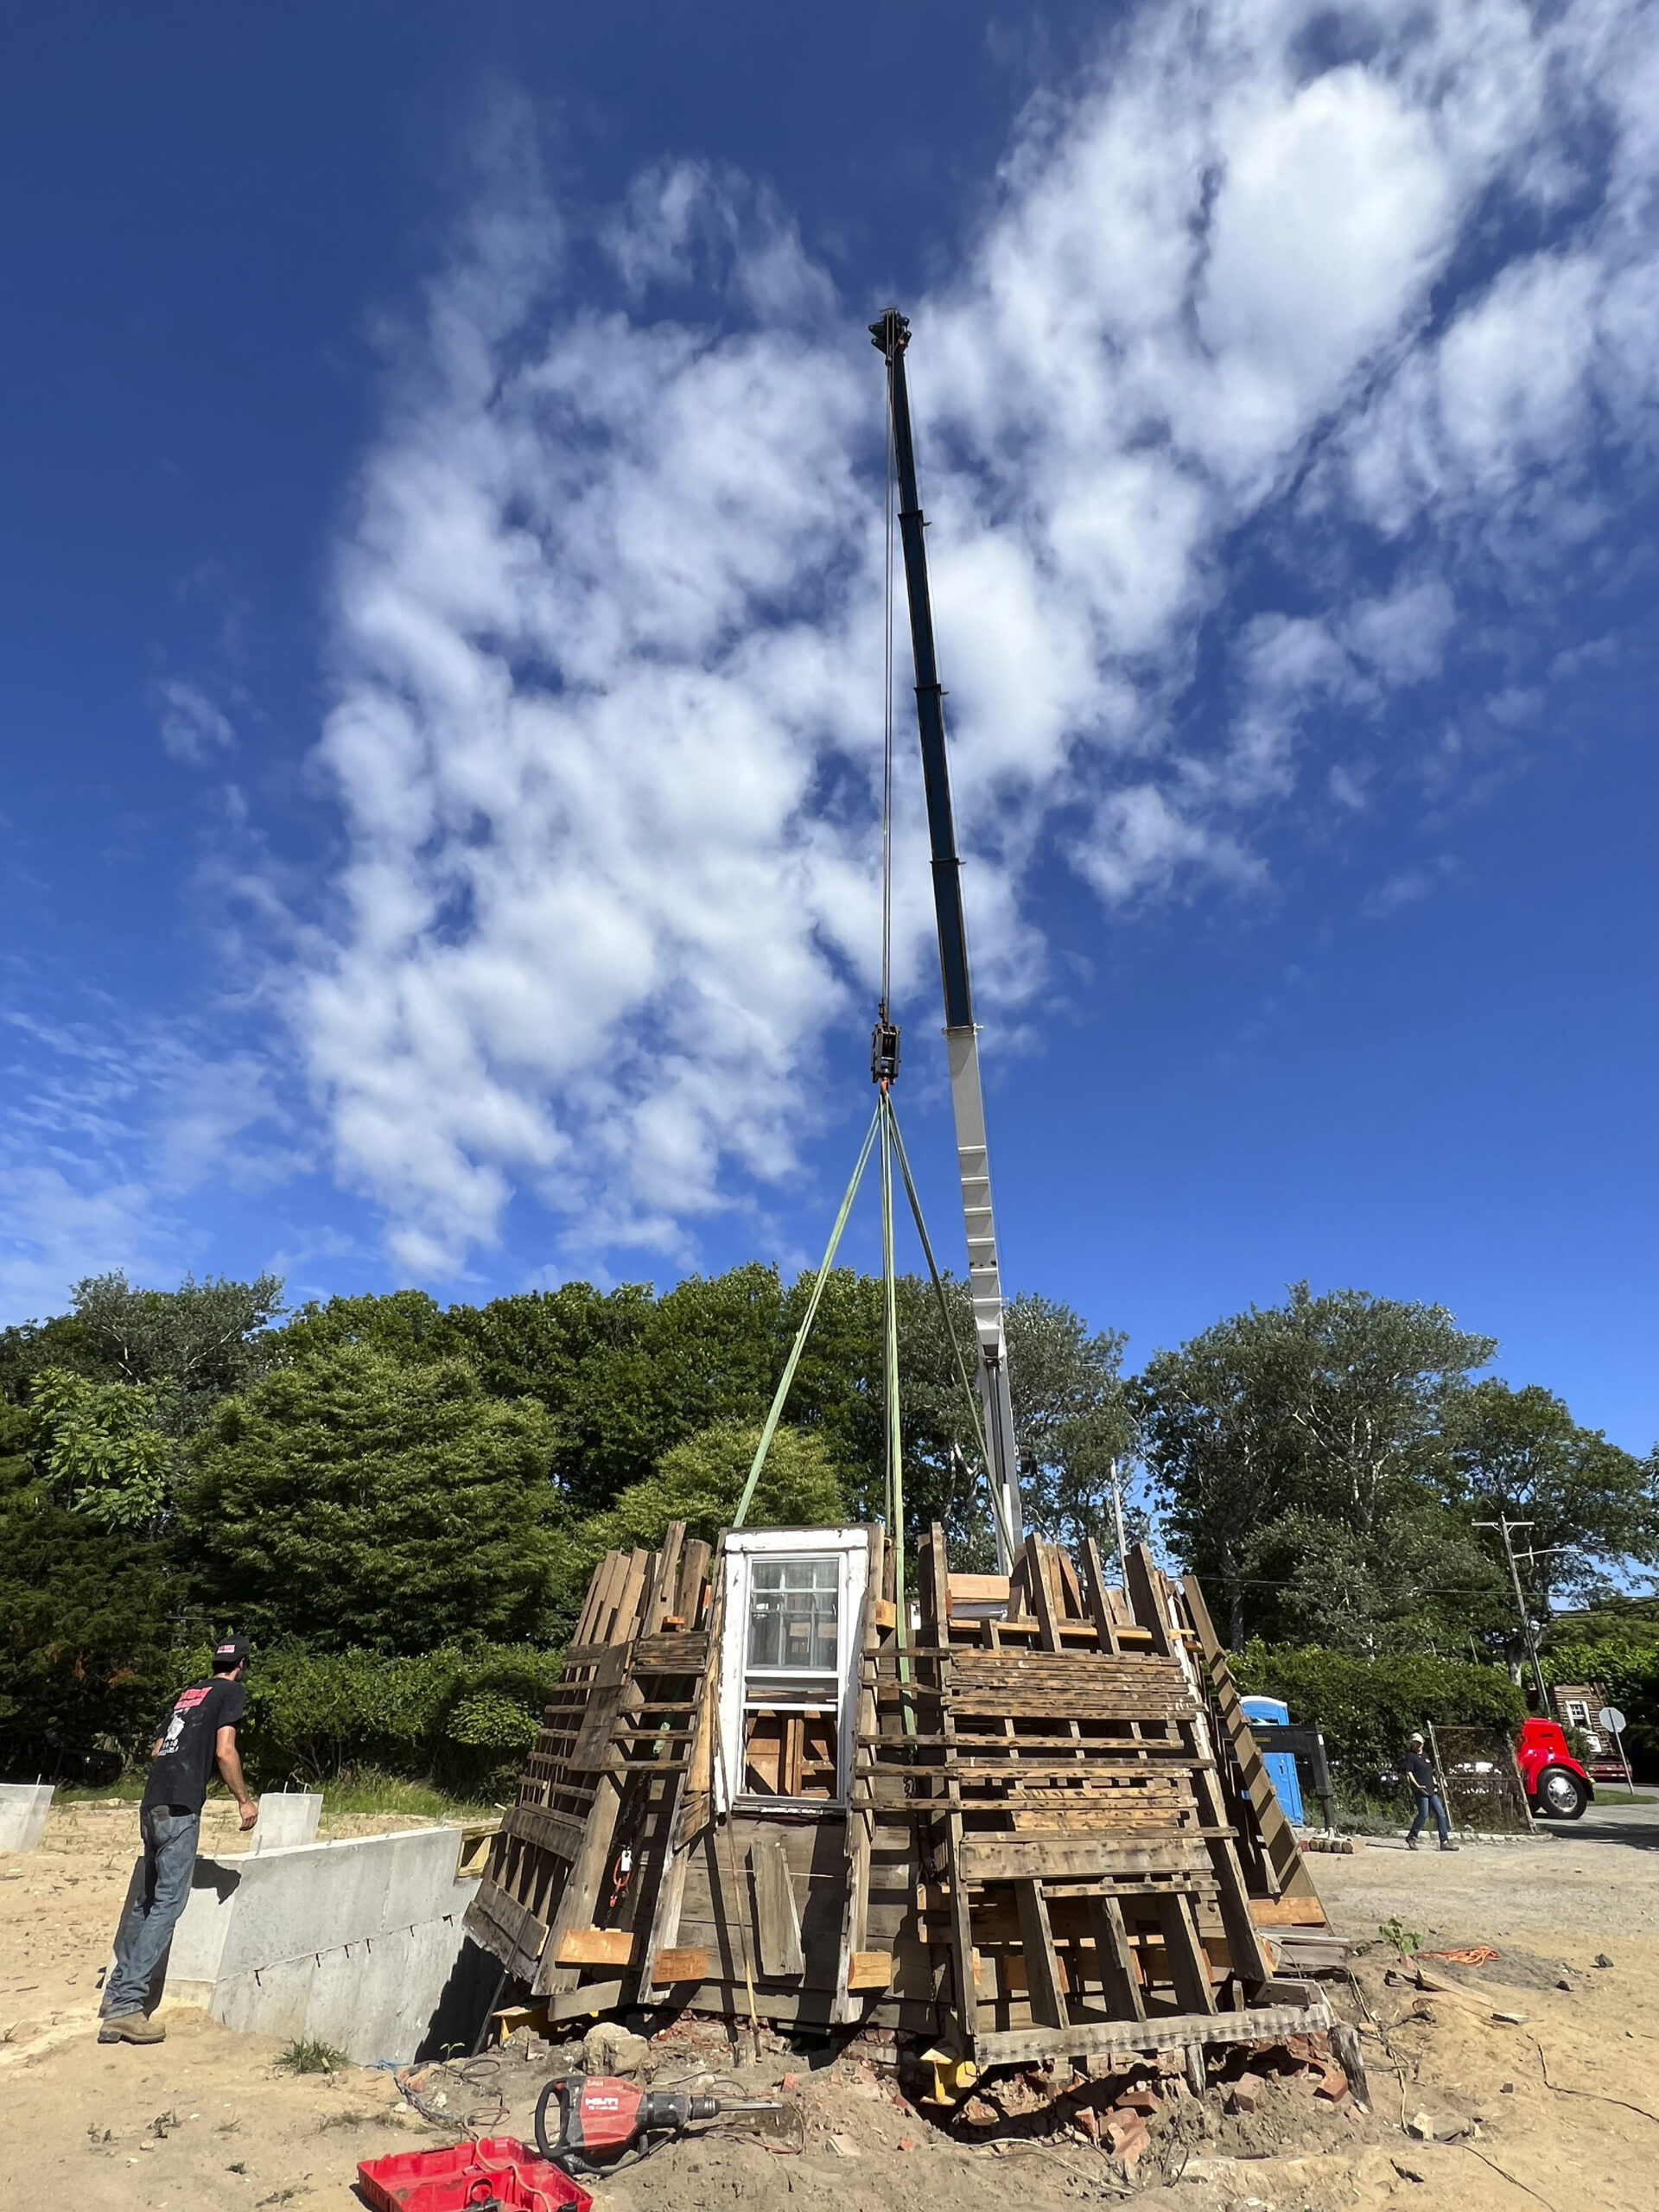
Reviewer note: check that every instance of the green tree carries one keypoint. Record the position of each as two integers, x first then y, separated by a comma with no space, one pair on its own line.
1071,1417
103,1448
1519,1454
404,1324
192,1345
1293,1448
84,1624
699,1482
356,1499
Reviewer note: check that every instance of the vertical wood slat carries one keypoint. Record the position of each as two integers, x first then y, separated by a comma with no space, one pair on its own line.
1283,1854
962,1933
1120,1985
1249,1961
1189,1963
1100,1611
777,1922
665,1574
694,1573
1070,1587
1043,1987
860,1813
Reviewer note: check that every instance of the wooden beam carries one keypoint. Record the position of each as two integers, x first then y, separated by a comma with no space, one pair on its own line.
694,1573
1287,1912
1115,2038
1044,1595
1100,1611
1189,1968
688,1964
870,1970
777,1922
1047,1992
665,1574
596,1946
861,1817
1120,1984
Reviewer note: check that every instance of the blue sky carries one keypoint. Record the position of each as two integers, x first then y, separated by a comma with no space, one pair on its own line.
441,646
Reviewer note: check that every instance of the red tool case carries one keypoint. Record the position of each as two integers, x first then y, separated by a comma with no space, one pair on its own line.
485,2170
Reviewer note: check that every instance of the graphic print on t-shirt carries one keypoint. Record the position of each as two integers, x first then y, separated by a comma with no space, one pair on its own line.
190,1699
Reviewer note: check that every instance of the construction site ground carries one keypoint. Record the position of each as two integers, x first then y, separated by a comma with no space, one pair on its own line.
209,2117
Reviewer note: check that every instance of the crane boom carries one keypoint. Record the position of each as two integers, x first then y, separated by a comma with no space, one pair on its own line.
890,334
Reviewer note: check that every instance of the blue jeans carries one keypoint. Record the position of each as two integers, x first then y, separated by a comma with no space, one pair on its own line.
1428,1801
147,1927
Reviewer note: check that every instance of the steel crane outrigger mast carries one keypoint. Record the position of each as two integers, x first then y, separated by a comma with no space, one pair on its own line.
890,334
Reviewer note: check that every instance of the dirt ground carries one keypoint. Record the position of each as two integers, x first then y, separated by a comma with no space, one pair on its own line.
207,2119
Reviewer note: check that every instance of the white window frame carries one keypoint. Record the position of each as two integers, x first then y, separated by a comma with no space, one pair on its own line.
850,1547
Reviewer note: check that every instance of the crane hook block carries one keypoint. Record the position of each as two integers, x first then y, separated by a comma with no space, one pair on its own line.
890,334
884,1050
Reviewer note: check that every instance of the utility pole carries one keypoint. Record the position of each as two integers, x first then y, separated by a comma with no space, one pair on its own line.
1504,1527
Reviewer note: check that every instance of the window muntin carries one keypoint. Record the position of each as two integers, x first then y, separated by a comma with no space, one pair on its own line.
795,1616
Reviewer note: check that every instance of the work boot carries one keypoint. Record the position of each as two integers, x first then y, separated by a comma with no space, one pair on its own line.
1446,1844
131,2027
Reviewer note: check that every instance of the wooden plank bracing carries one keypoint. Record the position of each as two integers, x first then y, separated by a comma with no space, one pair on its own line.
1059,1835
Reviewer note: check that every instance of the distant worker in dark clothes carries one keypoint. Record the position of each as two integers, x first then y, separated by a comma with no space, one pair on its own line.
1425,1782
200,1734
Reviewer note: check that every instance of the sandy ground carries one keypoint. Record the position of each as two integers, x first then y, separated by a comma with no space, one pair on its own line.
208,2120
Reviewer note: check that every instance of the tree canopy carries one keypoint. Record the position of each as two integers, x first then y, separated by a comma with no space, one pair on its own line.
356,1499
1293,1451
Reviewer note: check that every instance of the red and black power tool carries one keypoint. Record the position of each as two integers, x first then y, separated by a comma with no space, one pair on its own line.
600,2117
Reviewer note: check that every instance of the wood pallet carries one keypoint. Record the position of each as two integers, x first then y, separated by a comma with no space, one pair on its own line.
1078,1834
610,1757
1059,1839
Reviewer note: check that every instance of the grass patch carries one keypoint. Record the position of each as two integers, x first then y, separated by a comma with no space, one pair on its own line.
126,1790
367,1790
305,2055
358,1790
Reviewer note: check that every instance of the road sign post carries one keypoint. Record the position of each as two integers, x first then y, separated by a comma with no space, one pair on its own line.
1611,1719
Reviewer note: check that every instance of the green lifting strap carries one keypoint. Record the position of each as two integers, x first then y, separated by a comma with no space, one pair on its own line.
801,1334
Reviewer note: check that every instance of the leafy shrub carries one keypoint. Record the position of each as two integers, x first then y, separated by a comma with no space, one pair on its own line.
1367,1707
461,1719
489,1721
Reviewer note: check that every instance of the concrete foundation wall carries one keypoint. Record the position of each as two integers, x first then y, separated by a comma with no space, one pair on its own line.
358,1943
23,1808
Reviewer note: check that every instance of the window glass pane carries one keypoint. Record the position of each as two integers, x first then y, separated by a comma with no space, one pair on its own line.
793,1604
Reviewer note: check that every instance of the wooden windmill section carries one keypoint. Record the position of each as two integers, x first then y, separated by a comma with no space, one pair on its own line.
1057,1838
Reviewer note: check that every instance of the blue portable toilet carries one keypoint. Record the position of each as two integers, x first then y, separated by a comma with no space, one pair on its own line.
1280,1765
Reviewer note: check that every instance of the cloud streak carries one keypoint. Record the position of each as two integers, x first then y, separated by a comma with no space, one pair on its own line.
1364,297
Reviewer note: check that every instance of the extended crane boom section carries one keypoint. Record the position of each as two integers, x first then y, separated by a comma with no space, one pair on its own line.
892,336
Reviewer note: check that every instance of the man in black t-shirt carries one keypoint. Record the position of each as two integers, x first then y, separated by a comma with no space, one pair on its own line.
198,1734
1426,1787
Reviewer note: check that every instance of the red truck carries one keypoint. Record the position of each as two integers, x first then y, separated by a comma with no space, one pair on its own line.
1557,1787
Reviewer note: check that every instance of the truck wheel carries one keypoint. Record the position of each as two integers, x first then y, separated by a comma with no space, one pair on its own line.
1562,1796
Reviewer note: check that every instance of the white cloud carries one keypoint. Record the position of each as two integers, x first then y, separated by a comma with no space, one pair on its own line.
193,728
57,1229
609,622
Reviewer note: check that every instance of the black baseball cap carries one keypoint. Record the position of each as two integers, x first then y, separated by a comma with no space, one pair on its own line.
230,1653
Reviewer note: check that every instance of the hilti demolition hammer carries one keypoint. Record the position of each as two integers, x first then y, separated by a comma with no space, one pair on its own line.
600,2117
